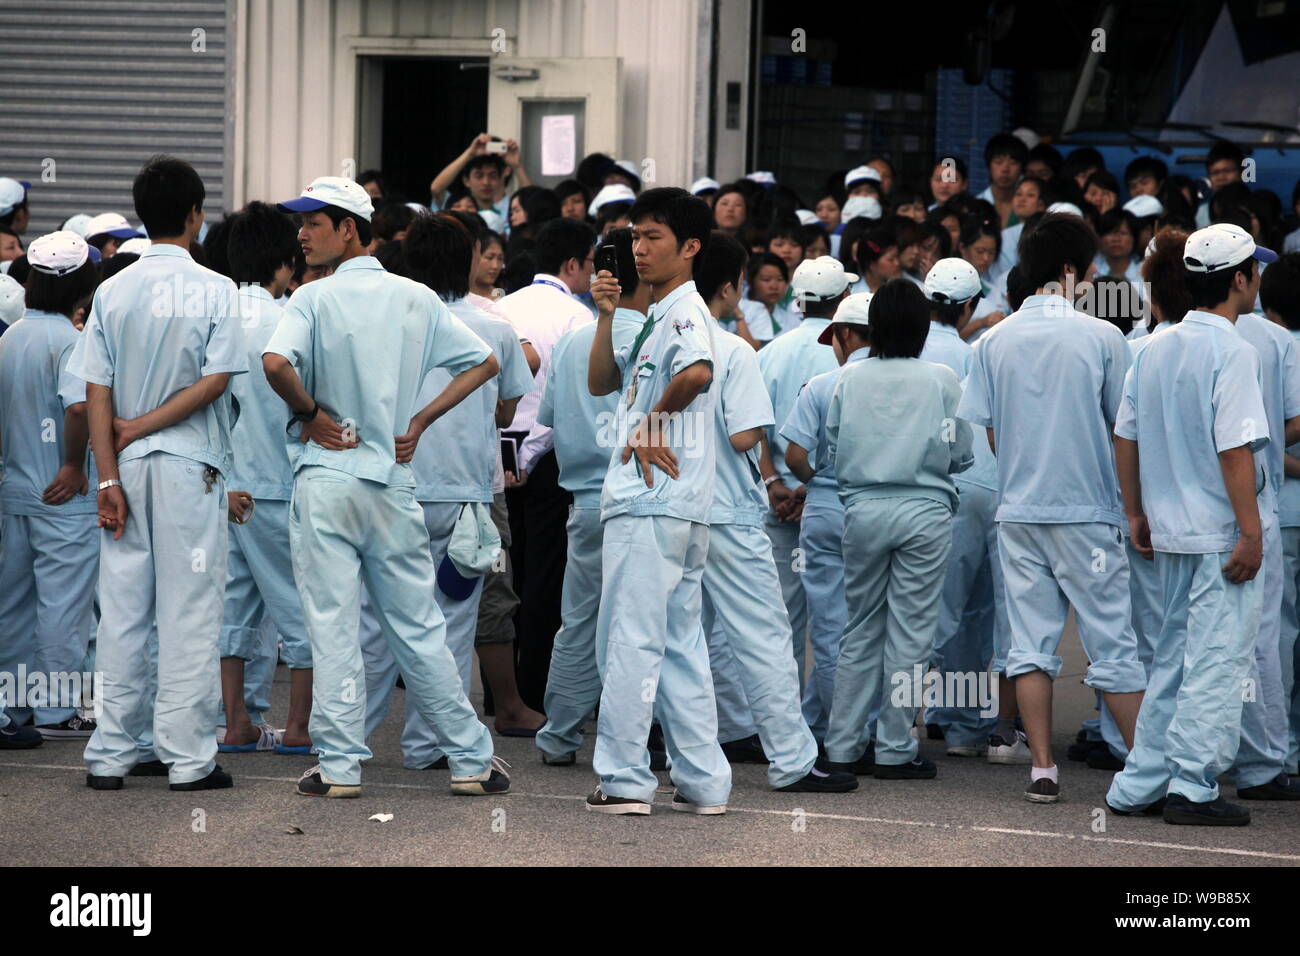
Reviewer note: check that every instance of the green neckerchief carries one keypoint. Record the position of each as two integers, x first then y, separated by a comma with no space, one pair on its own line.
646,328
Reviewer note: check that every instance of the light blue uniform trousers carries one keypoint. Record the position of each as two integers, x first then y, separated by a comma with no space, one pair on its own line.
573,686
1265,730
170,567
1288,656
48,567
788,558
735,718
973,626
1047,568
821,536
259,584
345,531
653,661
897,553
259,673
420,746
742,593
1190,721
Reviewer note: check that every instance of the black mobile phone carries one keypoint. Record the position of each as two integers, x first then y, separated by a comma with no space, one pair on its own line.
607,258
510,455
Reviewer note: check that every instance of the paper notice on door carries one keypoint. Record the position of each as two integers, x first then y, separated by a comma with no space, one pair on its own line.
558,145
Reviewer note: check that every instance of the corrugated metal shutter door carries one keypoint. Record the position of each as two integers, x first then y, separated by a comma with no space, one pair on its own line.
95,88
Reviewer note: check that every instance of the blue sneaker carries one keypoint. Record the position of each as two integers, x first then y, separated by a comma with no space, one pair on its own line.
14,737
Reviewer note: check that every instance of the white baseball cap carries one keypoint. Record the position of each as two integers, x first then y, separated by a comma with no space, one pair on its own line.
493,219
952,281
1026,136
859,173
58,253
12,300
762,177
806,217
1222,246
614,192
12,192
138,246
629,167
704,184
1066,207
864,206
338,191
852,311
77,223
821,278
1151,249
1143,206
111,224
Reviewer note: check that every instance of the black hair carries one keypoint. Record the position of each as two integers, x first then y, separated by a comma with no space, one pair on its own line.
1209,289
479,229
336,215
958,164
1111,220
1231,196
1224,149
1049,155
540,205
852,234
760,259
261,240
216,246
974,228
1116,301
456,192
611,212
1004,144
776,202
621,240
570,187
687,216
811,233
389,219
166,191
1238,216
1085,157
721,262
899,317
786,227
872,246
1166,276
19,268
483,159
115,264
60,294
905,196
560,240
949,313
591,171
1060,240
7,220
1147,166
1279,289
933,230
1018,287
1103,179
439,251
373,176
521,267
391,256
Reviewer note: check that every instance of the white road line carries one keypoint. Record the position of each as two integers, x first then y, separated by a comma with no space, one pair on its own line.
841,817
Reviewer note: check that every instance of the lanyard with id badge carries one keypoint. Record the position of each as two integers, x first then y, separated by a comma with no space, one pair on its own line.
646,329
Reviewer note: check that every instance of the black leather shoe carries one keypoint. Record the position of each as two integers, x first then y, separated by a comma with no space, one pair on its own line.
821,781
1150,810
1212,813
439,764
745,750
918,769
1280,787
217,780
148,768
103,783
862,767
1100,758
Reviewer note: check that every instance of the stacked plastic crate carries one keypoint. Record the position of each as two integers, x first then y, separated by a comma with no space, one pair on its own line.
966,116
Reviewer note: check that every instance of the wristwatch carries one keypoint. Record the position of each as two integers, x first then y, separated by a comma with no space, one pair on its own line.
108,483
767,482
307,416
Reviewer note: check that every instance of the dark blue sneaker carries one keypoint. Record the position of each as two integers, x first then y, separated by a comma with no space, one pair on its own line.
13,737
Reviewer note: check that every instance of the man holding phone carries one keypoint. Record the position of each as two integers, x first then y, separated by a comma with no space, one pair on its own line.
489,168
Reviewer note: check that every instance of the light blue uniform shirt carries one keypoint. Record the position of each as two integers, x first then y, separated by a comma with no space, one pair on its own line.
585,425
363,341
741,404
1288,506
1048,381
681,337
155,328
1192,393
36,389
892,431
786,364
806,427
944,346
456,458
1279,377
262,466
765,326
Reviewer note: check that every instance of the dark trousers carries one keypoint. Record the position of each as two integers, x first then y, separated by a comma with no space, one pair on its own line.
539,512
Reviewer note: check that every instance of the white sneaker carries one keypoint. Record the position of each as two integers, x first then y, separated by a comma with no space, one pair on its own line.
975,751
1000,751
683,805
